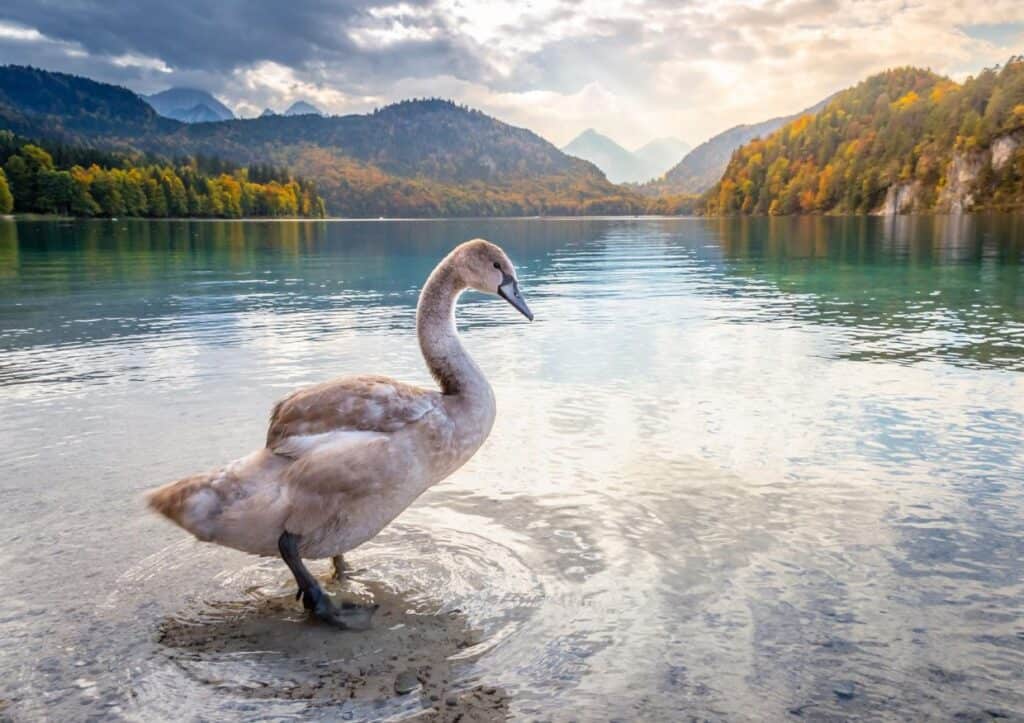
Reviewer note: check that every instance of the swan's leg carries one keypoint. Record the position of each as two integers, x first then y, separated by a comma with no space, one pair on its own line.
309,588
340,568
347,615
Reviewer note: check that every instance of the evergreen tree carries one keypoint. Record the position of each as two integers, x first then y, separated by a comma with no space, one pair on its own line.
107,195
55,190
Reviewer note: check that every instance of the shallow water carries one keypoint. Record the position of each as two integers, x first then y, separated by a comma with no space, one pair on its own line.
741,469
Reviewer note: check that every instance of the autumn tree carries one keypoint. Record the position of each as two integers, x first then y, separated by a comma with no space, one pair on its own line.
6,199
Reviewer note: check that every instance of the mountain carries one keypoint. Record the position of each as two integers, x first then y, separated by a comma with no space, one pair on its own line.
701,168
906,140
36,102
201,113
618,164
622,166
660,155
426,157
301,107
267,112
189,105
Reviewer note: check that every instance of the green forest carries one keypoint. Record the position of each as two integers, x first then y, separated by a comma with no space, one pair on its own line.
901,126
77,181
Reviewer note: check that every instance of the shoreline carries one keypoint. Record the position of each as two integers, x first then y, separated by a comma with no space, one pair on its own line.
405,219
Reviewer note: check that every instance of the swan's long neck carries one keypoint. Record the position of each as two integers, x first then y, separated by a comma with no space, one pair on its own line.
447,359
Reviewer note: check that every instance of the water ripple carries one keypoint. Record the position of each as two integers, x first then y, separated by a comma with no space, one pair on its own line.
740,468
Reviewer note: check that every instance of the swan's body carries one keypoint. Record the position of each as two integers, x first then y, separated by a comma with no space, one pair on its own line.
345,457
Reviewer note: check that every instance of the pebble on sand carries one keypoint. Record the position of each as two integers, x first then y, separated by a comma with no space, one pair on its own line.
406,682
844,690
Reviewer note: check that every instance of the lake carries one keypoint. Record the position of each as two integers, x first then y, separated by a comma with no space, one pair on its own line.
742,469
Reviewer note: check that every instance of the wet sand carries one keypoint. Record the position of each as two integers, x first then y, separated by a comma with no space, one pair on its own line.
292,656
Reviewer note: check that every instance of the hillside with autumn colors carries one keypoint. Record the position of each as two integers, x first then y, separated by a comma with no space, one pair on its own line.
903,141
906,140
415,158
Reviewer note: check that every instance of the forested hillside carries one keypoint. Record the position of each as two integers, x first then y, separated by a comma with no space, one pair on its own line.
35,102
75,181
903,140
415,158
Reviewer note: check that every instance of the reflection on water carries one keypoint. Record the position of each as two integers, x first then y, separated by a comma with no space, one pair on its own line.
774,469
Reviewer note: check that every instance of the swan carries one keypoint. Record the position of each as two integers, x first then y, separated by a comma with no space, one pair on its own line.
345,457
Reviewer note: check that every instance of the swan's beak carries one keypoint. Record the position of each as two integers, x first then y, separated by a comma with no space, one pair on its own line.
509,291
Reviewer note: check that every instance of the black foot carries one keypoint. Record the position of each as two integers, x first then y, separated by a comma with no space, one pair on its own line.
348,616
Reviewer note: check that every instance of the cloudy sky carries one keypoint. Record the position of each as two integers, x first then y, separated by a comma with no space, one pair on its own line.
633,70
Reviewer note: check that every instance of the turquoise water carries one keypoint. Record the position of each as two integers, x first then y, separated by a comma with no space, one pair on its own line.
759,468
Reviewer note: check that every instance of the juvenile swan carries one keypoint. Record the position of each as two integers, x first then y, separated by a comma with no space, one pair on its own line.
345,457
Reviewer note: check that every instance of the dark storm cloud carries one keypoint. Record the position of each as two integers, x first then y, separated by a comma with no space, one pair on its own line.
204,43
202,38
191,34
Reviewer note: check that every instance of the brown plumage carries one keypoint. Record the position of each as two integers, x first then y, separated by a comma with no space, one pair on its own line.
368,403
345,457
169,500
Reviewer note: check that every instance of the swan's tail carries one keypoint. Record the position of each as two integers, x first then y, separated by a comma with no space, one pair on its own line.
241,505
193,503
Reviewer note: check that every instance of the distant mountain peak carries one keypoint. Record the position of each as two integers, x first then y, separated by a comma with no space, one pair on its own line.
189,105
301,107
267,112
591,134
623,166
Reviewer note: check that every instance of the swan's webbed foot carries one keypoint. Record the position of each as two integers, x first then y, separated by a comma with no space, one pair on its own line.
347,615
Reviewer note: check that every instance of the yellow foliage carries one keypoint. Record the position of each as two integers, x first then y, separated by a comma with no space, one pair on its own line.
906,101
799,125
846,157
941,90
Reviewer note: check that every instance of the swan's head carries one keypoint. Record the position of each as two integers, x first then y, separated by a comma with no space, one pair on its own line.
485,267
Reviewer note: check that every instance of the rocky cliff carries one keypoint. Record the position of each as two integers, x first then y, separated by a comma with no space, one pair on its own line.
966,180
967,170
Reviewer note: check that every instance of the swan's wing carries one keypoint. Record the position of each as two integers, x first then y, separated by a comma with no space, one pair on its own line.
332,472
351,462
351,404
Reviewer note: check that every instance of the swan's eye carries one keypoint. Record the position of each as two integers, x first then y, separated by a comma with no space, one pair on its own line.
497,265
